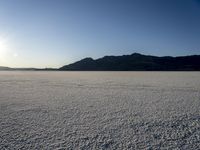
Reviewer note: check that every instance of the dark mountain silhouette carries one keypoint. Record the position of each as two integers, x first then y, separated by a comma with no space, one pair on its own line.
137,62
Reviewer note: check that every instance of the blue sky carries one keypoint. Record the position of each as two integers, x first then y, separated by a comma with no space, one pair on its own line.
52,33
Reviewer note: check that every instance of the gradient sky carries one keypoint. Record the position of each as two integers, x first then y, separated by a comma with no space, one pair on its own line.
52,33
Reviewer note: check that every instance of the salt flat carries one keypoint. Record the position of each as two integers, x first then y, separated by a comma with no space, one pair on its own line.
99,110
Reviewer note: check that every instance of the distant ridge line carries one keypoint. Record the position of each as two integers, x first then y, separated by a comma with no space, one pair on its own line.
133,62
136,62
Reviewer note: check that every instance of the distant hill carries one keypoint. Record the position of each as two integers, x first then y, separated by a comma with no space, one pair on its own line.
26,69
137,62
4,68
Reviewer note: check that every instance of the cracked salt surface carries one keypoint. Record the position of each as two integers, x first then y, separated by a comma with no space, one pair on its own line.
99,110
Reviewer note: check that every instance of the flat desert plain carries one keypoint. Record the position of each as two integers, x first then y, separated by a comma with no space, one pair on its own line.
99,110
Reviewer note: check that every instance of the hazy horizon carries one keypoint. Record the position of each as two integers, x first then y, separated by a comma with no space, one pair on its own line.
39,33
93,59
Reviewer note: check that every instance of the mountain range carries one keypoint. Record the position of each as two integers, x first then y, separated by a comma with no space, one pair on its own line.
133,62
137,62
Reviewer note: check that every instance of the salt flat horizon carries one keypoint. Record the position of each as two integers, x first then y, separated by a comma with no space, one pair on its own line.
99,110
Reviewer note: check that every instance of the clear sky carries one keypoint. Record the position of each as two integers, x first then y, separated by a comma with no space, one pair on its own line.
53,33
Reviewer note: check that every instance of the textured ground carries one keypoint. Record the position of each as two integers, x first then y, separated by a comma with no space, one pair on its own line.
100,110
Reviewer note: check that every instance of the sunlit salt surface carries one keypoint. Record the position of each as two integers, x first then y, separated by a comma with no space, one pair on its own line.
99,110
